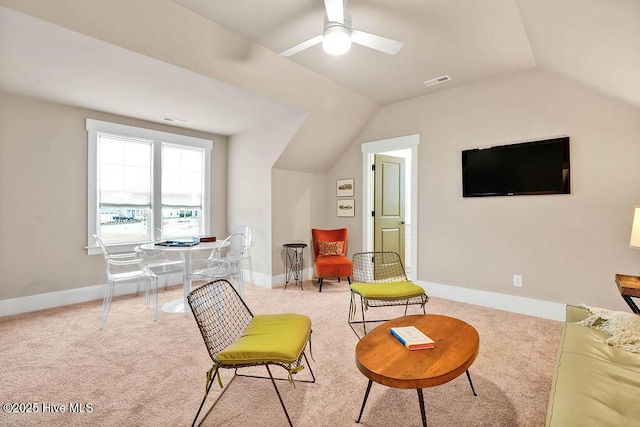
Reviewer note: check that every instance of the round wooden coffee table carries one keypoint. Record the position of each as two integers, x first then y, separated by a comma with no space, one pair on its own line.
383,359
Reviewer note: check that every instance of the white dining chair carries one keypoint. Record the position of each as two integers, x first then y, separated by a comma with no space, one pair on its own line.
159,262
126,267
224,262
248,234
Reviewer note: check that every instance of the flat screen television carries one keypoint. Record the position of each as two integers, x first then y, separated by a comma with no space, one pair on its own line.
537,167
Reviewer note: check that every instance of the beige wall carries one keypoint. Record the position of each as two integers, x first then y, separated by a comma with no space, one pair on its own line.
348,166
298,206
43,195
251,158
567,247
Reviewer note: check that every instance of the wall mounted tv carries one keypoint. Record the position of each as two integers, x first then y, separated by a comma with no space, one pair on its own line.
529,168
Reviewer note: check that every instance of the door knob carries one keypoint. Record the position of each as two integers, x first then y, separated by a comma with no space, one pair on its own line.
402,222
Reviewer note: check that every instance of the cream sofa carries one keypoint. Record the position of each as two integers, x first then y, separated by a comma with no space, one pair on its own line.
594,384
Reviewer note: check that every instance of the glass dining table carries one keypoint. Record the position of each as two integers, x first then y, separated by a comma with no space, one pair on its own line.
186,254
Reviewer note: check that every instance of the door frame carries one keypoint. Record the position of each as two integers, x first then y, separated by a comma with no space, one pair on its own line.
368,150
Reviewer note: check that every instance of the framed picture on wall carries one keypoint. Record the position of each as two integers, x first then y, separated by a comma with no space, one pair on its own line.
345,207
344,187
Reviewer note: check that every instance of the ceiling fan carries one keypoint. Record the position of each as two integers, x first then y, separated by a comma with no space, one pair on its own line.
338,34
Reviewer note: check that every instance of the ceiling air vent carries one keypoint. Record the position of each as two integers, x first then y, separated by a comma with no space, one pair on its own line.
437,80
173,120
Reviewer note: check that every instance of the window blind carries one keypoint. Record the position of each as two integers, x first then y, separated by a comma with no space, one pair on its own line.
124,172
182,176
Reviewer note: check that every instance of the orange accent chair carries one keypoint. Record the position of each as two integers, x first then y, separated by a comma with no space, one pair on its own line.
329,248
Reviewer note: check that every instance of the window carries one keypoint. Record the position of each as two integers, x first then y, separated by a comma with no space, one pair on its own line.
145,185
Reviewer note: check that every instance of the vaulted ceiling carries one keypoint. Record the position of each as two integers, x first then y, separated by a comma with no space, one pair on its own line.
594,42
46,61
215,63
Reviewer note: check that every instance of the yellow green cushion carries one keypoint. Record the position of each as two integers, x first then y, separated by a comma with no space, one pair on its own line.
269,337
387,291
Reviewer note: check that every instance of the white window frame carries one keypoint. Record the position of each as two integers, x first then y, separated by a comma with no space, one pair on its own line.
94,127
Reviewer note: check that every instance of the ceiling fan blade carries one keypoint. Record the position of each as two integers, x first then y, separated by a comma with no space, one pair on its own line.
302,46
335,10
382,44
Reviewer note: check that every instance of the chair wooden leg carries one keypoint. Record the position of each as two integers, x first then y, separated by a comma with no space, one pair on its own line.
320,280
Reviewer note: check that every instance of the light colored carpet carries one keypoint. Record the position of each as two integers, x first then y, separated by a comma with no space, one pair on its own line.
143,373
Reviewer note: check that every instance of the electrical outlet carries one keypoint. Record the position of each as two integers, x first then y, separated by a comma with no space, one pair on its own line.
517,280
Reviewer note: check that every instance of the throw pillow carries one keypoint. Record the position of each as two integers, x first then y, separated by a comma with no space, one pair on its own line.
330,248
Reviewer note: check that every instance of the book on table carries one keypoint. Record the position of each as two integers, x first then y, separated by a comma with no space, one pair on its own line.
177,243
412,338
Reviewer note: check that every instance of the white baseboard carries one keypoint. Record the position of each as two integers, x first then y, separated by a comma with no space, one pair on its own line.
257,279
272,282
515,304
528,306
31,303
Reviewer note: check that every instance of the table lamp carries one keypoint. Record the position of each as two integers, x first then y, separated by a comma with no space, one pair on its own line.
634,242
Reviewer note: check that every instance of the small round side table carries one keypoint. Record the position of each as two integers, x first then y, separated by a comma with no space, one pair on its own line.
293,262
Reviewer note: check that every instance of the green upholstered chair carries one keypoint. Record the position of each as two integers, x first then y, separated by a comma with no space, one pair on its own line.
235,338
379,280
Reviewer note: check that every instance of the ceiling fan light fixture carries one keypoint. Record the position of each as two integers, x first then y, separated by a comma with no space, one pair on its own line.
338,34
336,40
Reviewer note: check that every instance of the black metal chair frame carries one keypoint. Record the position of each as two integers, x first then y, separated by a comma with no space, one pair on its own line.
378,267
222,316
